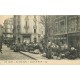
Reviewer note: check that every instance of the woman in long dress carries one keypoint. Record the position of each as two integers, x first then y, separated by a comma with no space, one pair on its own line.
1,46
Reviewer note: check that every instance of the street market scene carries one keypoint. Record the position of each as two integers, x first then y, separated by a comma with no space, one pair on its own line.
39,37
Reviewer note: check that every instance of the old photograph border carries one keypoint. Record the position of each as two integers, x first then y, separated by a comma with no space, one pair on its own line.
11,25
54,9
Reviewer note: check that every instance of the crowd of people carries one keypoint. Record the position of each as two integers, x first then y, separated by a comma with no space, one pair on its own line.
51,50
61,50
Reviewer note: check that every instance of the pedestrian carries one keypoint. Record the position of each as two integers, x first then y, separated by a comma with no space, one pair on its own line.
0,45
53,51
73,53
78,48
48,53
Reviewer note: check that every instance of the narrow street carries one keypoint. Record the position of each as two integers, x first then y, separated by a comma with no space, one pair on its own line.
11,55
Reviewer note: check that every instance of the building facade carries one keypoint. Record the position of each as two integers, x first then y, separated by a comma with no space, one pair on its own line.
8,29
65,29
36,29
28,28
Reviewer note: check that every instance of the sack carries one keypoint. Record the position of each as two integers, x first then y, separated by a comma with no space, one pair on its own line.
44,54
36,51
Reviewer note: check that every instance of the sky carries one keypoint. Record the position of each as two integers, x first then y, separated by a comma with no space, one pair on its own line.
3,17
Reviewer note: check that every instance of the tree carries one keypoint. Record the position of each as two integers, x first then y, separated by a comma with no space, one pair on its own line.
44,22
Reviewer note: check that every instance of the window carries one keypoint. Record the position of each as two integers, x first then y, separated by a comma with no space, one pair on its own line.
18,40
35,40
34,30
56,27
72,25
61,23
18,28
62,26
26,23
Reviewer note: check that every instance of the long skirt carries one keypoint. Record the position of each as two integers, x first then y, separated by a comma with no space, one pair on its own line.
49,53
0,48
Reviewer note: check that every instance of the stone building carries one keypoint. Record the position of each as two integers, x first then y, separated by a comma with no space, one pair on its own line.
8,29
28,28
64,28
36,28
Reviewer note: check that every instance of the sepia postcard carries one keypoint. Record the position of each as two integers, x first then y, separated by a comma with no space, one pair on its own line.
40,39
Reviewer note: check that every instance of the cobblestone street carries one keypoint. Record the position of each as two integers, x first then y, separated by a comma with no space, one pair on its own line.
10,55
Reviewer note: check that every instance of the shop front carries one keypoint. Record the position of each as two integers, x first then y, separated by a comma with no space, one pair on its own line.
74,39
60,38
26,38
